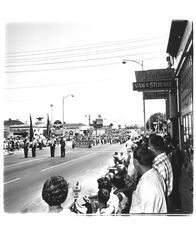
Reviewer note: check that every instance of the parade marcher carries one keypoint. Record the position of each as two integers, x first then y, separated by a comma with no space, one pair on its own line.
52,146
163,165
40,144
26,147
18,144
149,196
63,146
73,143
33,145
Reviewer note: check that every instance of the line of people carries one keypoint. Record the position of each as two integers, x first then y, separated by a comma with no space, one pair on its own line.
52,142
151,187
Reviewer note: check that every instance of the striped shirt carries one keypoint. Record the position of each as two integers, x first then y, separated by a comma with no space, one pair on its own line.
163,165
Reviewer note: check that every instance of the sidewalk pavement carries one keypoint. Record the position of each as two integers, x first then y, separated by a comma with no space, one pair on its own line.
186,192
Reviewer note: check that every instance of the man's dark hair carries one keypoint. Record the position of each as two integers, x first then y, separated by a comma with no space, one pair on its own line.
55,190
144,156
103,195
157,142
103,182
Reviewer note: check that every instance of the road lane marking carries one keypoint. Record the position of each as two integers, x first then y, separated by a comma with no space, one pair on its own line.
25,162
45,169
11,181
36,159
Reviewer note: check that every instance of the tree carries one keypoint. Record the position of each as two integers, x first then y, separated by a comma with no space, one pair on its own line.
156,122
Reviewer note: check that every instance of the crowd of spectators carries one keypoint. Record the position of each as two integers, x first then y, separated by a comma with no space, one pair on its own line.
11,144
151,188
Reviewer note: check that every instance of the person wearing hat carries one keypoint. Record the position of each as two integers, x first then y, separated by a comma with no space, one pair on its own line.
33,145
26,147
63,146
52,146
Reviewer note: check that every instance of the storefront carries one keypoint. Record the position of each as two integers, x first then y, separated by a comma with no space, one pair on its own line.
180,50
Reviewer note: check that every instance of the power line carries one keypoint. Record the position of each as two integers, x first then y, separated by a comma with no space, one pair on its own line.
79,47
31,59
53,69
81,60
55,84
75,67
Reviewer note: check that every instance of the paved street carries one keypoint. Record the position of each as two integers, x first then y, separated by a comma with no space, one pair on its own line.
24,177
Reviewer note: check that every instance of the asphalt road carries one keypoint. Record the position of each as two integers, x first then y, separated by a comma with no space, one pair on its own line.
24,177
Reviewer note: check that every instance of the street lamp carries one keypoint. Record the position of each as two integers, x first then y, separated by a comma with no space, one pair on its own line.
51,105
63,106
89,119
141,63
124,61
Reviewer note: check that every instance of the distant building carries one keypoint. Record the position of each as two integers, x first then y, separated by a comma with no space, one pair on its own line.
9,123
18,128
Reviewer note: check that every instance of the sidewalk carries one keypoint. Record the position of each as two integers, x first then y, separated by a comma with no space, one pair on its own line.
186,192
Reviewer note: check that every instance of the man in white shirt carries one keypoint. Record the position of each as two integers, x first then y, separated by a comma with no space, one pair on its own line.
149,196
129,144
161,162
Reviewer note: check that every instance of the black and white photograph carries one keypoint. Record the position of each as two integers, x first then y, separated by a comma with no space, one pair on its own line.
97,114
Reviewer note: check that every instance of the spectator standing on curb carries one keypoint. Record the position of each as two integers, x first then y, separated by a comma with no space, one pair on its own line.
129,145
149,196
163,165
176,158
54,193
125,184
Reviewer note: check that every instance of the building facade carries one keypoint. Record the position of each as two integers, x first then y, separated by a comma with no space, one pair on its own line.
180,51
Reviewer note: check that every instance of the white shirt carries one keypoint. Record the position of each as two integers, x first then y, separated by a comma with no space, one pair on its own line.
149,196
129,144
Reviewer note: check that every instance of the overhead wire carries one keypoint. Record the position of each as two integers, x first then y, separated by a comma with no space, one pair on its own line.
82,60
78,47
54,84
80,54
64,68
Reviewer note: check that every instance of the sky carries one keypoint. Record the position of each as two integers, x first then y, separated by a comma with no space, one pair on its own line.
79,51
46,61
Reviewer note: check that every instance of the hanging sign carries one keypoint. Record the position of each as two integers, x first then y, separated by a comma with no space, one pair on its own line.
155,95
155,75
154,85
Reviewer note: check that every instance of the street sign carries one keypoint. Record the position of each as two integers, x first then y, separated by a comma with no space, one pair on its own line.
155,95
155,75
154,85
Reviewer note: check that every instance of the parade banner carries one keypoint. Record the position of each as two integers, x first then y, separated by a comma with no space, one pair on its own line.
83,143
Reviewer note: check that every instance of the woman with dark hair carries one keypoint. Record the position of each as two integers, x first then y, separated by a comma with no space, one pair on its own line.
54,193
